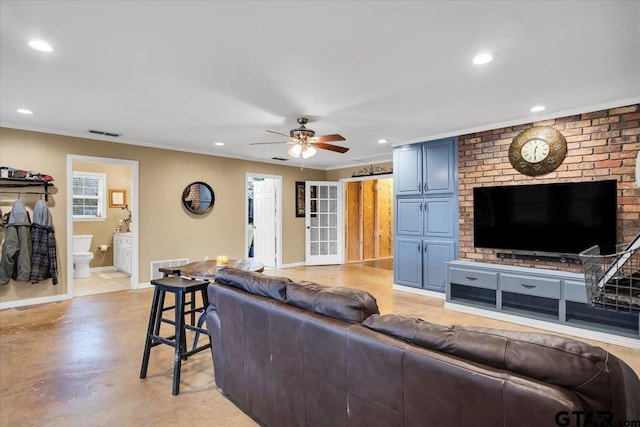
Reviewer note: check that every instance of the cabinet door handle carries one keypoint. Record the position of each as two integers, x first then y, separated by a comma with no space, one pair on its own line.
470,278
419,248
527,286
420,187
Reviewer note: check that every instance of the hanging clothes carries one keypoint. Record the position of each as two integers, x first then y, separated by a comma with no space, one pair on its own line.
15,259
44,259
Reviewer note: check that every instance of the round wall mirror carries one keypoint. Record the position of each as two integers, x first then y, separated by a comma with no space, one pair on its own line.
198,197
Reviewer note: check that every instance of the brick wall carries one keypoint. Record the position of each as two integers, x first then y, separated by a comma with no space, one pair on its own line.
601,145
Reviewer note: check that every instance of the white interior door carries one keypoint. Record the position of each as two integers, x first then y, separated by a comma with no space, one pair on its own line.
324,223
264,217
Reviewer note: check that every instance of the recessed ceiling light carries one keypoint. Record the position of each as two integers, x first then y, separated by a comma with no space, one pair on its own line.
382,141
537,108
482,58
218,143
24,111
40,45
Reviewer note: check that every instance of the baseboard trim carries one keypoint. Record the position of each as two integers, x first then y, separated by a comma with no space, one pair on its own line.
33,301
143,285
424,292
549,326
103,268
294,264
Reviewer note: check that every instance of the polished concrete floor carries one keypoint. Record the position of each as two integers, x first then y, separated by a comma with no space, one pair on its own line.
77,362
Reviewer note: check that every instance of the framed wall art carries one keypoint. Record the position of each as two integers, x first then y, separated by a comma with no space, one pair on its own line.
300,199
117,198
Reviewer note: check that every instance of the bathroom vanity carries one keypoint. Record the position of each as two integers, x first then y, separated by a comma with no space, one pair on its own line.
122,252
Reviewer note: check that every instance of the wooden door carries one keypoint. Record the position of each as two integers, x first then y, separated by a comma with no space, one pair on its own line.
369,219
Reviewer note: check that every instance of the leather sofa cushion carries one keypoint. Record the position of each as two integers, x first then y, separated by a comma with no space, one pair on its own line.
580,367
350,305
255,283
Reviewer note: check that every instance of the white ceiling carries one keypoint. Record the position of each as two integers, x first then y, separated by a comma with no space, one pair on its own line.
183,74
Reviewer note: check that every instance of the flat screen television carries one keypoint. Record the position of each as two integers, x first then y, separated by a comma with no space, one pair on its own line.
562,218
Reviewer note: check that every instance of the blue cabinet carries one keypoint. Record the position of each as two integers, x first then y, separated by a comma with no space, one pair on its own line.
422,263
429,216
427,168
426,216
407,259
436,254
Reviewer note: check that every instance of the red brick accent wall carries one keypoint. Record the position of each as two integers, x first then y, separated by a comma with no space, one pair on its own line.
601,145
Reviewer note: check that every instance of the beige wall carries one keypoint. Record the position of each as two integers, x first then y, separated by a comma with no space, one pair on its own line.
166,229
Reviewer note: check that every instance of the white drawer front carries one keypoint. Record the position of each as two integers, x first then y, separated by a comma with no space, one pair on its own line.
530,286
475,278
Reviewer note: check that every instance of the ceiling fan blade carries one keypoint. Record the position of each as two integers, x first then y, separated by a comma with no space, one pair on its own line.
328,138
330,147
279,133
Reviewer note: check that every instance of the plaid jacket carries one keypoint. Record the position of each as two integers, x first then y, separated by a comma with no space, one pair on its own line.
44,260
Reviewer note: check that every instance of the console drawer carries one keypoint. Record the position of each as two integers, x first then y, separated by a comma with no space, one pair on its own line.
475,278
575,291
528,285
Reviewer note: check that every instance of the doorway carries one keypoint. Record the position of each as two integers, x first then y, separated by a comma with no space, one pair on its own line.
263,235
101,224
369,219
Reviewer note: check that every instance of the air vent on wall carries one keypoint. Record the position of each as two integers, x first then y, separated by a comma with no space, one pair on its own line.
155,272
99,132
279,159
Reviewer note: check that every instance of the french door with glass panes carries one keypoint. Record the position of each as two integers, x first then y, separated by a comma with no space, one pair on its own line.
324,223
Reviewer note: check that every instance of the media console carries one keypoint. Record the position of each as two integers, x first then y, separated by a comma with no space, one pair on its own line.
547,297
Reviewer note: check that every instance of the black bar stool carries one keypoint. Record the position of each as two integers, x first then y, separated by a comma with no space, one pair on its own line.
175,271
179,287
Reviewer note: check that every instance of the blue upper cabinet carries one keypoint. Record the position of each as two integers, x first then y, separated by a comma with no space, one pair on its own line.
438,167
407,170
424,169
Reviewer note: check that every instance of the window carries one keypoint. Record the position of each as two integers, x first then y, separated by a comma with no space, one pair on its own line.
89,196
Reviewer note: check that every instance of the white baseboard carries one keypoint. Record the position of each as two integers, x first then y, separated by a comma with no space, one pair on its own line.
424,292
104,268
33,301
143,285
295,264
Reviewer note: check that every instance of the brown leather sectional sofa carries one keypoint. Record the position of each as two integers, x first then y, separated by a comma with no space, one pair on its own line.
302,354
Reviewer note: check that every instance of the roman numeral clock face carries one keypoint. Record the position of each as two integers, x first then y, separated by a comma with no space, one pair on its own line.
537,150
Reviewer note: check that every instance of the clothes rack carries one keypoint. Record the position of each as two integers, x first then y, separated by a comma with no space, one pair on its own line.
7,186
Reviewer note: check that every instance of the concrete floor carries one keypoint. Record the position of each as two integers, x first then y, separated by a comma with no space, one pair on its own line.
77,362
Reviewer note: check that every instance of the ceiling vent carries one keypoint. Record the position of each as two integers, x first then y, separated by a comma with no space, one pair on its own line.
279,159
99,132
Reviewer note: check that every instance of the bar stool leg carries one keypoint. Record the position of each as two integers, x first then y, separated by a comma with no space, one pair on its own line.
159,310
201,319
180,339
193,306
153,315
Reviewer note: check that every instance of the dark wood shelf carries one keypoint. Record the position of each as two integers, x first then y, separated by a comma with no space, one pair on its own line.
24,183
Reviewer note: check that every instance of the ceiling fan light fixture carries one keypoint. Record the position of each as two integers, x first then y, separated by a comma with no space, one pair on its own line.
295,150
308,152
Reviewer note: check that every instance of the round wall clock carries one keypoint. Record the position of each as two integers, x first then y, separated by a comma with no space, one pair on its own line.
537,150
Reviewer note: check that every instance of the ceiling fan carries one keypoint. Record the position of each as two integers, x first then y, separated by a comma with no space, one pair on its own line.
305,141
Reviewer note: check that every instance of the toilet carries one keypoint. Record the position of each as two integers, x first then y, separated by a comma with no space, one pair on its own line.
82,256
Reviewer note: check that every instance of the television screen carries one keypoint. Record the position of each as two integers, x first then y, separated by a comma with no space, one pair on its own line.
561,217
